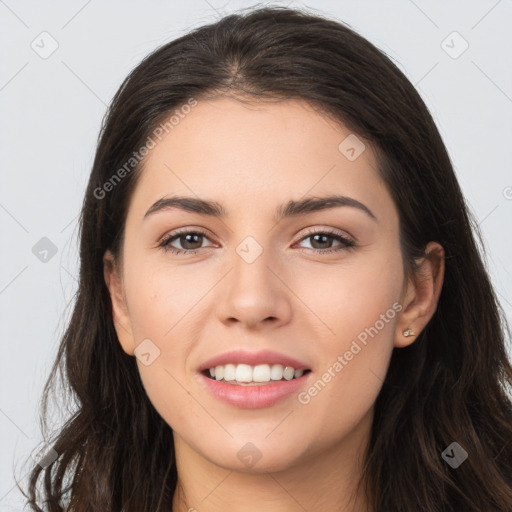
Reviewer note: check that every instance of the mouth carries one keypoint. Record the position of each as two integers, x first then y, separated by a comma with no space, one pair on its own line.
254,380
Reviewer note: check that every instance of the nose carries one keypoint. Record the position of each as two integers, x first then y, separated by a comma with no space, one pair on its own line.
255,294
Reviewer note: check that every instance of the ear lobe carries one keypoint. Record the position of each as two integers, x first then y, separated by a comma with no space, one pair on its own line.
120,314
421,295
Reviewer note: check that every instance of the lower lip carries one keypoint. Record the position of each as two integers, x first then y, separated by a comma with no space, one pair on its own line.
254,397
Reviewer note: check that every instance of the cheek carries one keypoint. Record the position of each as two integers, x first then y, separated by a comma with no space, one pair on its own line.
350,376
161,297
163,305
344,300
358,308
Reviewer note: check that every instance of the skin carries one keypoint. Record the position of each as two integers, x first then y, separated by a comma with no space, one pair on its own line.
251,159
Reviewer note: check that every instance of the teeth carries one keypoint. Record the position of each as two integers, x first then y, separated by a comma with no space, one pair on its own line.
276,373
229,372
288,373
244,373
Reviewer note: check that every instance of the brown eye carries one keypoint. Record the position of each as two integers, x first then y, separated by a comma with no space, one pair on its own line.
190,241
322,242
325,241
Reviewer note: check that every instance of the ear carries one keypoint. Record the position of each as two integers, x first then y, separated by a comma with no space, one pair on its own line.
120,314
421,295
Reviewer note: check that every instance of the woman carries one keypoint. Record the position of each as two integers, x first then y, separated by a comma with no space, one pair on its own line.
281,302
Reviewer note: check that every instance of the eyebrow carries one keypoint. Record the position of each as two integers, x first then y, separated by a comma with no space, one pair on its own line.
290,209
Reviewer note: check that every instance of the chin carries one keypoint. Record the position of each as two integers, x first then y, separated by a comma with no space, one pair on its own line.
252,457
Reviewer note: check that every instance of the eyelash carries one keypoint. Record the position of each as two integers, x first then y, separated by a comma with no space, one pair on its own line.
346,242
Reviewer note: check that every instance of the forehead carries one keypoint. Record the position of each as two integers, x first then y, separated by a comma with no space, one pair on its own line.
248,155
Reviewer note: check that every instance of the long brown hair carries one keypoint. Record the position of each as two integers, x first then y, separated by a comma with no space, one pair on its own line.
115,452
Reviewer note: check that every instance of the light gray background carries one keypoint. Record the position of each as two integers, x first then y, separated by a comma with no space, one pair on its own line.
51,111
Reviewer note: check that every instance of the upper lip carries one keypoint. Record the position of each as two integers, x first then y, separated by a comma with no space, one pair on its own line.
253,359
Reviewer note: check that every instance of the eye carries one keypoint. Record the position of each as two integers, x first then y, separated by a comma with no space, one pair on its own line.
191,239
322,238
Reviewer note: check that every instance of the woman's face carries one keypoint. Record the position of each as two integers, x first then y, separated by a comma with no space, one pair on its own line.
255,283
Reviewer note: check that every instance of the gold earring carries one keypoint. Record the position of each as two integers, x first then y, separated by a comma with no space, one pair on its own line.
408,332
